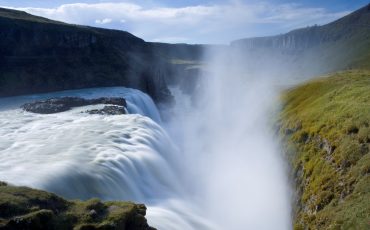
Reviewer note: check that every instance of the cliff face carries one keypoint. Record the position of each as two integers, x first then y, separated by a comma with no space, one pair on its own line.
342,44
40,55
305,38
326,133
294,41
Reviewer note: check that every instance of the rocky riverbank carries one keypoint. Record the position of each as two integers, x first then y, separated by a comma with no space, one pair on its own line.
27,208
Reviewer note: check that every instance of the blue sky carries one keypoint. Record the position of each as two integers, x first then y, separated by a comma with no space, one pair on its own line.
192,21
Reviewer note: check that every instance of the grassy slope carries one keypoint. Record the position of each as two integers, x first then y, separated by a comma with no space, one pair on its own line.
325,123
26,208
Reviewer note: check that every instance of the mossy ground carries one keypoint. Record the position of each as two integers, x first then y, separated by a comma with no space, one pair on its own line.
325,124
26,208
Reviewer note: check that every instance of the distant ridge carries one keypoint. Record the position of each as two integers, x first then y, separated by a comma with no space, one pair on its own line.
41,55
339,45
303,38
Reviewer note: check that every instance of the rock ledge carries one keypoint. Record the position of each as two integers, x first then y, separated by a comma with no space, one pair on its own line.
57,105
26,208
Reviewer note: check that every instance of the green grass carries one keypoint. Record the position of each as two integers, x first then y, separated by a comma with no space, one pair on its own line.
325,124
26,208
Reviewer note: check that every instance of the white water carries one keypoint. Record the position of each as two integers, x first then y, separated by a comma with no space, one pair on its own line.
221,168
137,102
233,160
78,155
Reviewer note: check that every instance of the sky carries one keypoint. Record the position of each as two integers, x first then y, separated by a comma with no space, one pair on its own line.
192,21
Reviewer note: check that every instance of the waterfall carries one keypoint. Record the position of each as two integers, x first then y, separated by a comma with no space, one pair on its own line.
233,161
79,155
214,165
137,102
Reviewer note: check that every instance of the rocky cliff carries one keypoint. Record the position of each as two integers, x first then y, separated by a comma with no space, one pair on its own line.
294,41
342,44
40,55
305,38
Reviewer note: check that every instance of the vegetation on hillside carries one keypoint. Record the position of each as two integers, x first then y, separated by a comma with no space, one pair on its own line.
26,208
325,125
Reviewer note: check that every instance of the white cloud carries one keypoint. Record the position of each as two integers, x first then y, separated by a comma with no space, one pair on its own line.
201,23
103,21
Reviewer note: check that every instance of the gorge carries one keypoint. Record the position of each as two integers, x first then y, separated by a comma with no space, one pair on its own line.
204,139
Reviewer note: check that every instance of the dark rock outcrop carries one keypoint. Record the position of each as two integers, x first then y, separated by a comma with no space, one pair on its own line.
108,110
31,209
41,55
57,105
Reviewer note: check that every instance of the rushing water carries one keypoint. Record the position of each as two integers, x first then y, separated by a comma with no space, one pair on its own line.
78,155
232,158
213,165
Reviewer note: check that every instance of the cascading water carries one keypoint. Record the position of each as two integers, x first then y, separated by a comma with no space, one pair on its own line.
79,155
221,168
137,102
234,164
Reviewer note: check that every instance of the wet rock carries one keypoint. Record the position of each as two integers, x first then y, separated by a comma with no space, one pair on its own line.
93,213
108,110
57,105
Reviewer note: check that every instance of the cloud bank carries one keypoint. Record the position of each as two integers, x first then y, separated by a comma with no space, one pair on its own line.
218,23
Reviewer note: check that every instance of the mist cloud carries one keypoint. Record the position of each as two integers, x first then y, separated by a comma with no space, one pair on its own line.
218,23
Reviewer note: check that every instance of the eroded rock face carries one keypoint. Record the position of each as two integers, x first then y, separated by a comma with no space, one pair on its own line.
26,208
40,55
57,105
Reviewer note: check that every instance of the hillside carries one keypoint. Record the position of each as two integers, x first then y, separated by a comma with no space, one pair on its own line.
325,125
340,45
26,208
